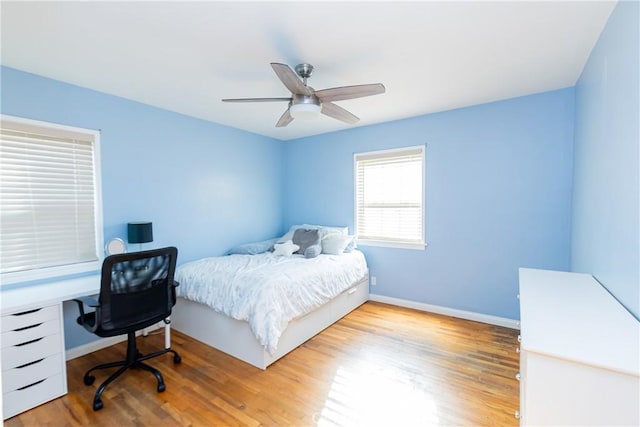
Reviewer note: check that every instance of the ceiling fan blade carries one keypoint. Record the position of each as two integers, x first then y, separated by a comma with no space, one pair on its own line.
285,119
339,113
349,92
255,99
289,78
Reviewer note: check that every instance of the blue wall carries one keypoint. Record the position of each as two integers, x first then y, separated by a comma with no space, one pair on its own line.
206,187
498,197
606,217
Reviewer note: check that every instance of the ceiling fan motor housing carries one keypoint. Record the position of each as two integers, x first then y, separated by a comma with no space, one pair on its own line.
304,70
304,99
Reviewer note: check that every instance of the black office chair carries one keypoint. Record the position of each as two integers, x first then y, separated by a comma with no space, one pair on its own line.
137,290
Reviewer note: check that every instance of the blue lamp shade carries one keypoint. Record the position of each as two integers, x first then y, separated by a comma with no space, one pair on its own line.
140,232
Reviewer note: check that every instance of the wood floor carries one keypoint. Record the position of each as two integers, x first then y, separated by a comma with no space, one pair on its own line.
379,366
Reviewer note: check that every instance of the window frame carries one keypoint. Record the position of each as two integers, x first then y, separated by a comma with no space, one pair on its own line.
382,242
55,129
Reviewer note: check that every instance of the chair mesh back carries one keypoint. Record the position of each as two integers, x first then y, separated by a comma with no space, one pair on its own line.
137,288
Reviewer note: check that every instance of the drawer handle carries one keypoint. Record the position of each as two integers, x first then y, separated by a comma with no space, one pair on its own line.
29,364
28,342
31,385
517,414
35,310
27,327
517,349
352,290
518,376
519,338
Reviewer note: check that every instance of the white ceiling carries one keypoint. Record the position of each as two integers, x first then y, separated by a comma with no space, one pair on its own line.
187,56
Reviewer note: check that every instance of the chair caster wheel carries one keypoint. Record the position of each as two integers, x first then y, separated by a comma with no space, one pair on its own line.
177,359
89,379
97,405
161,388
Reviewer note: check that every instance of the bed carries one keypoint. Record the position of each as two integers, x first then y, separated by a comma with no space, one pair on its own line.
258,307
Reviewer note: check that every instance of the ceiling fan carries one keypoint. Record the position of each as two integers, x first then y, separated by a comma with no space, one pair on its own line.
307,102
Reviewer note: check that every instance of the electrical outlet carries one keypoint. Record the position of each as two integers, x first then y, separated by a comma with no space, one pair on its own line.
373,280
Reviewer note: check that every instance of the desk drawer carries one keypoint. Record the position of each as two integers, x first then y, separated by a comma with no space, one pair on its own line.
15,321
23,375
30,333
33,394
18,355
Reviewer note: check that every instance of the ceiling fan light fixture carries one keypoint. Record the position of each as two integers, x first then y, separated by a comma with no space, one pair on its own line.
304,111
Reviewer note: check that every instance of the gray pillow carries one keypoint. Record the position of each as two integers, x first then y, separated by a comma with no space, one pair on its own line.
305,238
313,251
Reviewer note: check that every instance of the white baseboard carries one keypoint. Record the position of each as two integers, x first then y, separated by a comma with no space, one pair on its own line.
81,350
462,314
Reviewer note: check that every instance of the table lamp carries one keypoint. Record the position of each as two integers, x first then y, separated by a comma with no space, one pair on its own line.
140,232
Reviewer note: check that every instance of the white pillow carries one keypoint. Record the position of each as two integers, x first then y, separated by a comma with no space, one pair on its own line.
324,231
285,249
335,243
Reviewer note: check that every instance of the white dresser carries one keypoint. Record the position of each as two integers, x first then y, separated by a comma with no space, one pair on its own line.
579,353
33,362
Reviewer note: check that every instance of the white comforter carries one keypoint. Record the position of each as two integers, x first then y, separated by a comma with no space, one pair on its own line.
268,291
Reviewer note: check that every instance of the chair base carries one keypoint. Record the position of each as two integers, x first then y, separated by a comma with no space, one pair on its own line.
134,360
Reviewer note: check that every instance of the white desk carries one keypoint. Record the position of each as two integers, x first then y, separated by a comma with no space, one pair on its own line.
33,349
21,299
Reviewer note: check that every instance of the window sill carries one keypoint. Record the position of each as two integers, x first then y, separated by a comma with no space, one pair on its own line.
397,245
51,273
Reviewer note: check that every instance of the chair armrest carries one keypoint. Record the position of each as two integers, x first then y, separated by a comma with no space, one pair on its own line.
90,301
174,285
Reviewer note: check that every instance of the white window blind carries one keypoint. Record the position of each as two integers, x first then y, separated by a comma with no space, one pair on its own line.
390,197
50,220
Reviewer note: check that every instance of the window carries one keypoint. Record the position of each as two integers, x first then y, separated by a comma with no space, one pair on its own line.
390,197
50,200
